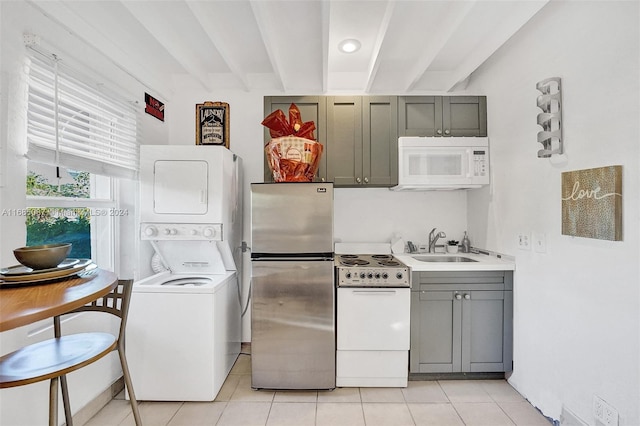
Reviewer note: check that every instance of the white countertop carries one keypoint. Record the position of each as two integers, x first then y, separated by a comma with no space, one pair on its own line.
484,262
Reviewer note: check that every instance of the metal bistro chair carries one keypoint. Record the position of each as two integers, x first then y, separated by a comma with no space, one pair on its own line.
54,358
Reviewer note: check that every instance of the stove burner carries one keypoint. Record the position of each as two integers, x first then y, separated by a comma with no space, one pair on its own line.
354,262
389,263
382,256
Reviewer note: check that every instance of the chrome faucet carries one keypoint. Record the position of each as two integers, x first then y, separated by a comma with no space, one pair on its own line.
433,237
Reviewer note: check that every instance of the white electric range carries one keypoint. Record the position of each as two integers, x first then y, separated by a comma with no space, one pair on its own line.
373,313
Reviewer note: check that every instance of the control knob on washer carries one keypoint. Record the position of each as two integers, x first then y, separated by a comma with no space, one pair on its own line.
150,231
209,232
399,275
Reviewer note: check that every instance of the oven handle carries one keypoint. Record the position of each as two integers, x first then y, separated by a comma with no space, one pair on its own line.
376,292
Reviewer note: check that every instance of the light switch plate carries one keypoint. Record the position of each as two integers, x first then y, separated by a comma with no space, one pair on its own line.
540,242
523,241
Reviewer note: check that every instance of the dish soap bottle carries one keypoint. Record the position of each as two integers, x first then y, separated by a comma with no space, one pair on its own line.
466,245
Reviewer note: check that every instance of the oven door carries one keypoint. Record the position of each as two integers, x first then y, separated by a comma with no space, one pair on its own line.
373,318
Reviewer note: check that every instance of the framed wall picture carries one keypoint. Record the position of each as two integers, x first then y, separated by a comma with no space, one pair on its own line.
592,203
212,123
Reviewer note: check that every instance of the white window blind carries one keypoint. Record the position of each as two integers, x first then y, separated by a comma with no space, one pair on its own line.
74,125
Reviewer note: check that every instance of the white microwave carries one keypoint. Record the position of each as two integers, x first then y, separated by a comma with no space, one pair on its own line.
428,163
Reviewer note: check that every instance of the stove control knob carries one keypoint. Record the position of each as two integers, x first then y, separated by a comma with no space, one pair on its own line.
399,275
385,275
362,275
347,275
150,231
209,232
377,275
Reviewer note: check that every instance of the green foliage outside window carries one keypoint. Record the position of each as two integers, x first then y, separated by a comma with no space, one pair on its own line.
48,225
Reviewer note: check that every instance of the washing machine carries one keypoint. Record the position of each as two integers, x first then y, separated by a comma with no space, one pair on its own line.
183,335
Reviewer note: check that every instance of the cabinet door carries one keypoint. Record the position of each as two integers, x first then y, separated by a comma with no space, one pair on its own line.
380,140
420,116
484,315
344,140
464,115
435,332
312,108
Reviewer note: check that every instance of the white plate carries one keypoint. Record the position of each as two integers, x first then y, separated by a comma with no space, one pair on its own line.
25,270
57,273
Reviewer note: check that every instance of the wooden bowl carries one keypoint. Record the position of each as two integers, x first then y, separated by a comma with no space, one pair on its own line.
44,256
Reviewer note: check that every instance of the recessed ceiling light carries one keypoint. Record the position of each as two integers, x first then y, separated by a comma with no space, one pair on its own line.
349,46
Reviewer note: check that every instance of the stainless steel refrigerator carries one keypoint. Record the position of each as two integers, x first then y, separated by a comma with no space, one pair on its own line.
293,291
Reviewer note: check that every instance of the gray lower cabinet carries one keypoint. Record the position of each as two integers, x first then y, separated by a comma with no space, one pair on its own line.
362,141
312,108
461,322
442,116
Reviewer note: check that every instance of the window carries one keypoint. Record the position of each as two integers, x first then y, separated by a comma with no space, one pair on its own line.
82,140
74,207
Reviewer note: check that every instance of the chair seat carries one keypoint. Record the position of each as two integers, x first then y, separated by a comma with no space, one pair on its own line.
54,357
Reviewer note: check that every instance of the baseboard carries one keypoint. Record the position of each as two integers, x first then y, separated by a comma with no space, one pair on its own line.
455,376
91,409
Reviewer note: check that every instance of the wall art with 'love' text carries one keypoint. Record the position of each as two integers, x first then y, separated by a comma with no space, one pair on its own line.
592,203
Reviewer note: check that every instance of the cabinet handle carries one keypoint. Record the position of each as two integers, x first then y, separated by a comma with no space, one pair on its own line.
458,296
439,131
366,180
467,296
358,180
446,132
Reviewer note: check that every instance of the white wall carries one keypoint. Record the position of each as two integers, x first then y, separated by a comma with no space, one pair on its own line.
577,306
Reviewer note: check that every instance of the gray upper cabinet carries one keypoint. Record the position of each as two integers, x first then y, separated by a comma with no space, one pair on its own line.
312,108
442,116
344,140
380,134
362,141
360,133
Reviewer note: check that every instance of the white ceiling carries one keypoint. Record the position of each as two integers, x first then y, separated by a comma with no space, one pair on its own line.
416,46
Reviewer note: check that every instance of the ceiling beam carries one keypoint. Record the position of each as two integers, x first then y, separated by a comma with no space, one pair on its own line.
61,14
374,63
203,13
155,21
437,42
261,14
519,15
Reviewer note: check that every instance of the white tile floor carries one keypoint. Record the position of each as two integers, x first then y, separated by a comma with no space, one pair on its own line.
440,403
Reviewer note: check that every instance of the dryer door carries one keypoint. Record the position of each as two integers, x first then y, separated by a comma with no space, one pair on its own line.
180,187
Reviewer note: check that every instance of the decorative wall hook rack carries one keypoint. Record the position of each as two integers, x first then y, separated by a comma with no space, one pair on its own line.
550,102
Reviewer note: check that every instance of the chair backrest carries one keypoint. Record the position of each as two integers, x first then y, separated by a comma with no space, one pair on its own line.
115,303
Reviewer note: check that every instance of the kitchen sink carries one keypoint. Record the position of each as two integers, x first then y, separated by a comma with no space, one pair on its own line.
428,258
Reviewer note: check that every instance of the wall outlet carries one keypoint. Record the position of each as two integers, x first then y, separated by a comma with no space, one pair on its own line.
524,241
604,413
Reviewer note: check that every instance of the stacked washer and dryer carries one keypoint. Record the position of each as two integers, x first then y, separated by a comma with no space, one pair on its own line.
184,327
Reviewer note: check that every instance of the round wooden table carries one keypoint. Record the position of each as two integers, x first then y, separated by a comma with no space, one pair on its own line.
30,303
